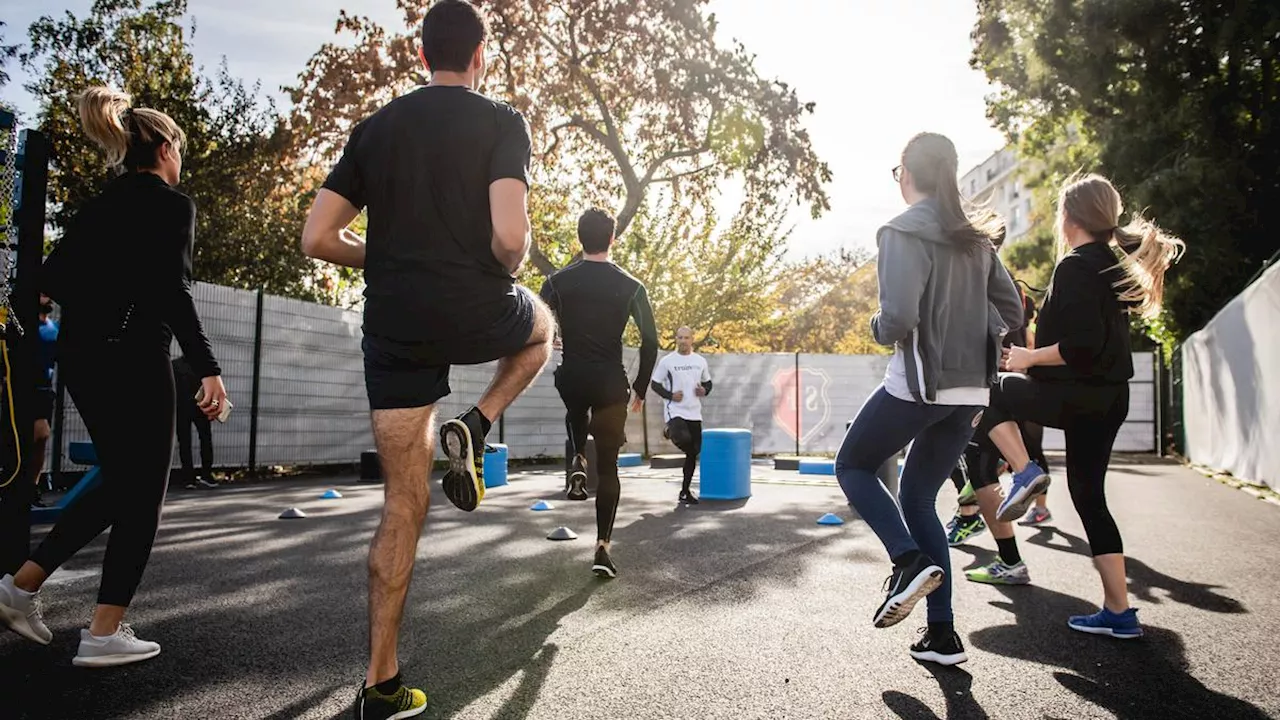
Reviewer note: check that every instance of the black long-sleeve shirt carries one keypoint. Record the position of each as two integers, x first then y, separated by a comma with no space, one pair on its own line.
593,301
123,271
1084,317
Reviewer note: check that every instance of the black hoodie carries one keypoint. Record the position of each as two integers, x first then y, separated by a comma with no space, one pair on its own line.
1084,317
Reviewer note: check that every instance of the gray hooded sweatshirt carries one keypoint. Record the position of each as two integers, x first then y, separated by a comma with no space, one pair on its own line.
943,308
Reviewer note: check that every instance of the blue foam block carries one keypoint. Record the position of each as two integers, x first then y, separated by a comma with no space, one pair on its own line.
818,467
630,460
830,519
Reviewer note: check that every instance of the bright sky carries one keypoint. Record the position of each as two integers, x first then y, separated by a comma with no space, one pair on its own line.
879,71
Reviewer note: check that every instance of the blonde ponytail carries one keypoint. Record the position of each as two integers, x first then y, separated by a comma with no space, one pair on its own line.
101,109
1148,253
130,137
1093,204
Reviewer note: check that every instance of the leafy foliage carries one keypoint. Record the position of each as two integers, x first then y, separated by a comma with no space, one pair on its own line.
1177,102
238,164
622,96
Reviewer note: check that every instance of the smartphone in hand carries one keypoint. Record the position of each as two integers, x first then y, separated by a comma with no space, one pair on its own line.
224,411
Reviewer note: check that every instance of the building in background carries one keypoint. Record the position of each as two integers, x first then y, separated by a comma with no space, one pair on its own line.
996,182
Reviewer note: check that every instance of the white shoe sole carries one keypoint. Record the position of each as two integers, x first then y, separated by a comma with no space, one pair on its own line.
101,661
604,571
939,658
578,486
897,608
1016,505
17,622
1107,632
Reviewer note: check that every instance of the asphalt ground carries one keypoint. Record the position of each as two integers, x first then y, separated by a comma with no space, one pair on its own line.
733,610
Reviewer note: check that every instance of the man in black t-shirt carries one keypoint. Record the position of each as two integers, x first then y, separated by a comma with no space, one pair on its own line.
592,300
443,175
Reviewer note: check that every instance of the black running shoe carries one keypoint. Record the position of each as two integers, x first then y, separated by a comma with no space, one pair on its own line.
603,565
942,648
906,587
463,443
688,498
578,479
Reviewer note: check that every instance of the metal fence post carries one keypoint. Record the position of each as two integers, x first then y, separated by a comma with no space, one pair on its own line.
797,403
257,383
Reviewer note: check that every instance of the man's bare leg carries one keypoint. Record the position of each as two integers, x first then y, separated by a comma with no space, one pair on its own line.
404,441
516,373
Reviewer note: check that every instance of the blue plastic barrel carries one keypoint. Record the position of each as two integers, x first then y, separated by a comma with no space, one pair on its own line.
495,465
817,466
725,467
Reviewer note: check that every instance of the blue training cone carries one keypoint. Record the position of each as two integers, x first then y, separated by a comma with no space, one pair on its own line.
542,505
331,495
830,519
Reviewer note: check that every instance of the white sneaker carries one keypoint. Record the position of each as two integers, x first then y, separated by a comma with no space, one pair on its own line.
121,648
20,610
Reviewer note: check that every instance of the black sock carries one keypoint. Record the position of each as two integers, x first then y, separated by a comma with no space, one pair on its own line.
973,519
388,687
1009,550
907,558
485,423
941,629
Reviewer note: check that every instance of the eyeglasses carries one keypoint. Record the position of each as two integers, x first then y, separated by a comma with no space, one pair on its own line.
897,173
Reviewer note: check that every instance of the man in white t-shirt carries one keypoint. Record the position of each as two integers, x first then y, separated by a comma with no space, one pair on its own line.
681,379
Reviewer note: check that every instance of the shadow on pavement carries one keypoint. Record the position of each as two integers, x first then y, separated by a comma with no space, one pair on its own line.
1133,679
256,613
1144,581
957,690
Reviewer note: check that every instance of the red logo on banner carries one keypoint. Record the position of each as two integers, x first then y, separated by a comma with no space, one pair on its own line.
801,412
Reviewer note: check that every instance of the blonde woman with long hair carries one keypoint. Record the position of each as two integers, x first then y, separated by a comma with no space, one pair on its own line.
1077,378
122,274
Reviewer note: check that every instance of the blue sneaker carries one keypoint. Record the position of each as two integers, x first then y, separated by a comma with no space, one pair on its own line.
1104,622
1027,485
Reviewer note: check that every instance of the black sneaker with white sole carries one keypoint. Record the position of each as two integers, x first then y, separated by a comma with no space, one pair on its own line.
943,648
688,498
578,479
462,440
907,586
603,565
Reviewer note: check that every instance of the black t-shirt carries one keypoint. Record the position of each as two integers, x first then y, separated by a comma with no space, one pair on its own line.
592,302
1085,318
422,166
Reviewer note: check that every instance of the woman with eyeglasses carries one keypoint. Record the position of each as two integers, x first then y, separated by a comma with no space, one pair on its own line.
1077,377
122,274
945,303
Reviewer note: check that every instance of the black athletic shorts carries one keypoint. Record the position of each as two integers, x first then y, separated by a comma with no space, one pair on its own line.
44,398
602,392
400,373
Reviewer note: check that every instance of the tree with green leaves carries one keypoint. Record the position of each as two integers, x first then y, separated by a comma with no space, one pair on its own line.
622,97
1177,102
238,164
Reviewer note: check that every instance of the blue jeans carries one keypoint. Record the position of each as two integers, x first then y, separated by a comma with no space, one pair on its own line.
884,426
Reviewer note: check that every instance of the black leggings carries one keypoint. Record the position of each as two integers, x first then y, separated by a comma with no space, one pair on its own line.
1090,417
594,404
125,396
188,416
981,459
691,447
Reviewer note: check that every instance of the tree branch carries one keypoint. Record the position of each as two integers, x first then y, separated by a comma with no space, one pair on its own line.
687,173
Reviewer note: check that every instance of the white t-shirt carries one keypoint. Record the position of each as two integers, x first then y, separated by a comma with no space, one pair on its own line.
683,373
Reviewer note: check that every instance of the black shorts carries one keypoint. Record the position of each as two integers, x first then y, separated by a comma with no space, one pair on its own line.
44,398
410,373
